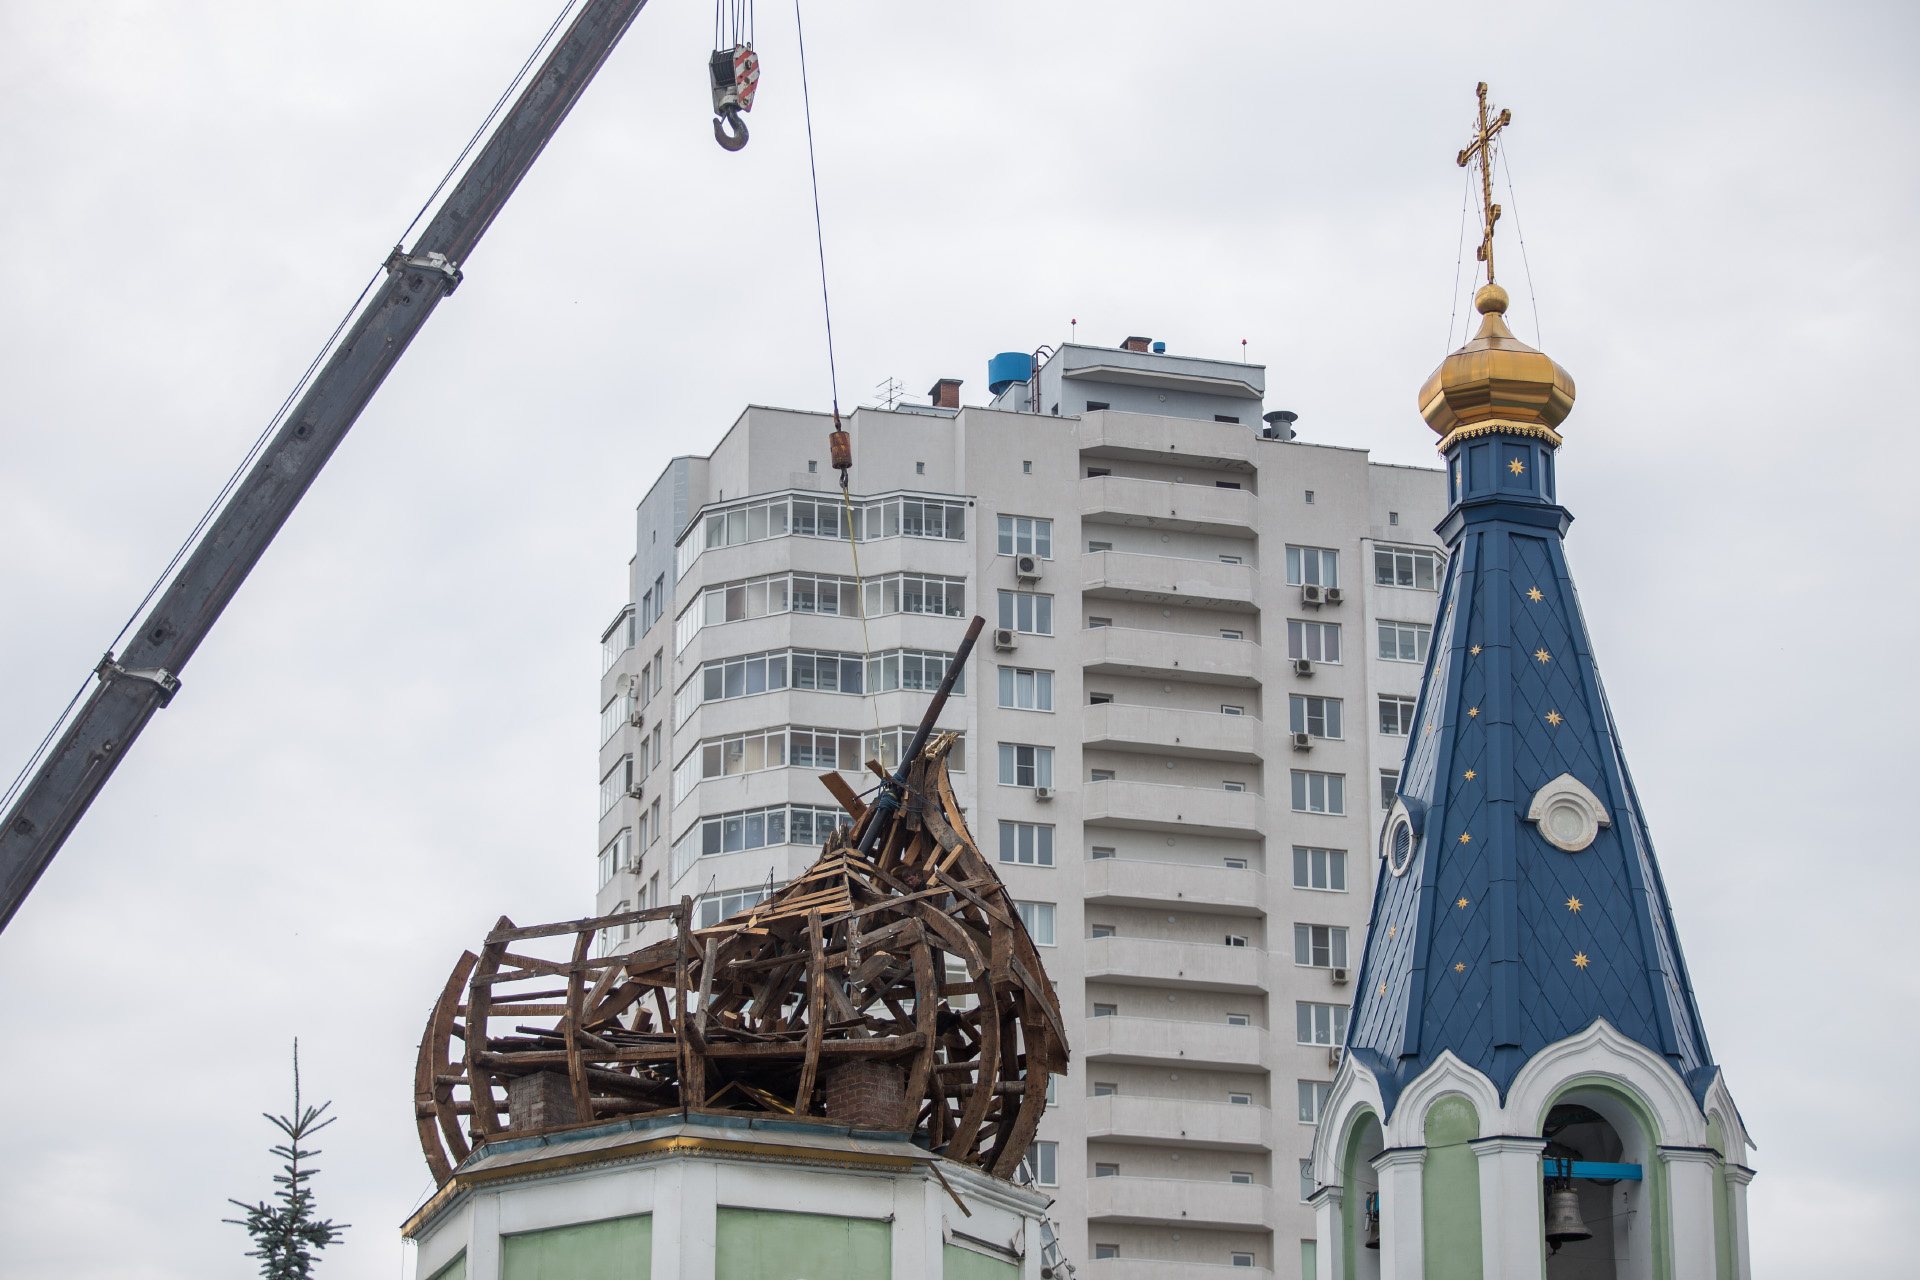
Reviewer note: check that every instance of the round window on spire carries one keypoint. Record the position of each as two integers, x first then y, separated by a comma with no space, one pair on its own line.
1398,838
1569,816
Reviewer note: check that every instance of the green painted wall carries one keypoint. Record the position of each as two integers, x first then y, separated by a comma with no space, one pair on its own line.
1352,1210
614,1249
1450,1192
1722,1204
1309,1259
964,1264
455,1270
764,1244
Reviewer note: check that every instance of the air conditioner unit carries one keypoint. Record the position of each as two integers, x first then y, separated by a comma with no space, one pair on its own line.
1333,595
638,791
1313,595
1043,793
1303,742
1303,666
1339,977
1333,1059
1003,639
638,719
1026,568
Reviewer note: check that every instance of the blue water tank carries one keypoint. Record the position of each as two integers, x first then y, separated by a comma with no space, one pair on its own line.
1008,368
1159,348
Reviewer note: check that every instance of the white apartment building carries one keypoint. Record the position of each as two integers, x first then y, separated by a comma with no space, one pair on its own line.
1206,638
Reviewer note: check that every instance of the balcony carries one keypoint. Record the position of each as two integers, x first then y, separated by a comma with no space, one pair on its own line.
1146,437
1165,580
1157,504
1127,882
1159,806
1196,966
1158,1041
1174,1121
1164,731
1156,1269
1176,1202
1169,655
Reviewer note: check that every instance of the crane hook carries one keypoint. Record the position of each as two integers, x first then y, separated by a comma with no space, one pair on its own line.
731,141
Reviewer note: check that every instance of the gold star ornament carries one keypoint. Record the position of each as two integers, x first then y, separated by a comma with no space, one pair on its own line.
1392,929
1542,656
1459,968
1555,718
1465,838
1573,904
1580,960
1533,594
1475,651
1462,904
1472,712
1383,988
1516,466
1469,775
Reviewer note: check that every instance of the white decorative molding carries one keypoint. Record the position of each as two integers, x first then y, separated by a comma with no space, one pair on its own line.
1719,1104
1399,857
1354,1091
1445,1075
1568,814
1602,1052
1393,1157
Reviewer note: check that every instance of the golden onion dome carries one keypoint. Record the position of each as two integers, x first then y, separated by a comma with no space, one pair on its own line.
1496,383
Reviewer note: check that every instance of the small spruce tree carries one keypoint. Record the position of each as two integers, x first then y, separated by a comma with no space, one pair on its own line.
286,1234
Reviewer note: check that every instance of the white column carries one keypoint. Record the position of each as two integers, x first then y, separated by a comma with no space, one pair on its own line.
684,1220
1330,1232
1738,1176
1512,1233
1690,1200
916,1225
1402,1231
483,1236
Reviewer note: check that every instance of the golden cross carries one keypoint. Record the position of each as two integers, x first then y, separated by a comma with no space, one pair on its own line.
1482,146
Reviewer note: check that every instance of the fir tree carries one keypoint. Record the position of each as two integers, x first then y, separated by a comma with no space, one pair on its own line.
286,1234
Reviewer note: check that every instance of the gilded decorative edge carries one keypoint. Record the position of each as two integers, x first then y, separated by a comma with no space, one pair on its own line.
1499,426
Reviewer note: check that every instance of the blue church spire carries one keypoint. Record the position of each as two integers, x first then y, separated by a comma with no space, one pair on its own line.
1519,898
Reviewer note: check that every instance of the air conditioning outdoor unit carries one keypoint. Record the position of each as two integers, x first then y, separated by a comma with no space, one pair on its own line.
1339,977
1313,595
1303,666
1003,639
1333,595
1043,793
1026,568
638,791
1303,742
638,719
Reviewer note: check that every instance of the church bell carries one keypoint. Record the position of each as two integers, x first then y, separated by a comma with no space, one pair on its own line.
1563,1217
1373,1220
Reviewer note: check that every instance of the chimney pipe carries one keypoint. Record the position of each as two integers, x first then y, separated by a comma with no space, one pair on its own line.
945,393
1136,344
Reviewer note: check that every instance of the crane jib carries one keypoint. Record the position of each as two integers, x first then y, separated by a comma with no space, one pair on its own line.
144,676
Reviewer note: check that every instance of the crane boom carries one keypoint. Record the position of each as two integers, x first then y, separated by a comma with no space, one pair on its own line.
146,674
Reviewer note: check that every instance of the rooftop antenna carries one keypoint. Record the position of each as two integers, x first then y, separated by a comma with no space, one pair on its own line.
890,390
1073,331
1243,351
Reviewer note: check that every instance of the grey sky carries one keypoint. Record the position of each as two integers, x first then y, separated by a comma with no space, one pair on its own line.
389,740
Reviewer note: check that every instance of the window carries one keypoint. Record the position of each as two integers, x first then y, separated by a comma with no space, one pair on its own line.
1106,1011
1233,786
1319,792
1040,1164
1389,788
653,830
1319,946
1239,1020
1313,1099
1038,917
1094,623
1320,1023
813,465
1027,611
1098,699
1231,560
1236,940
1235,864
1313,566
807,516
1242,1259
1306,1180
1094,473
759,828
1105,1250
1025,690
1098,404
1240,1099
615,783
1022,535
1029,844
1320,869
1317,716
1396,715
1053,1090
716,907
1232,635
1405,566
1404,641
1227,484
1221,417
1101,851
1232,711
1102,775
919,468
913,593
1240,1179
1025,766
921,669
1309,497
1105,1089
1104,1170
614,856
1319,641
616,640
1105,931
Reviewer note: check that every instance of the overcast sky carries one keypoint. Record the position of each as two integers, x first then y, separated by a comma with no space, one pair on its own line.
389,739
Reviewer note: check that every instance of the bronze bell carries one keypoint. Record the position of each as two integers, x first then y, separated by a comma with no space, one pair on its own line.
1373,1220
1563,1216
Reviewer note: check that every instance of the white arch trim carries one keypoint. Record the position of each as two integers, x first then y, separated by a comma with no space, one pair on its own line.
1445,1076
1719,1103
1355,1093
1602,1052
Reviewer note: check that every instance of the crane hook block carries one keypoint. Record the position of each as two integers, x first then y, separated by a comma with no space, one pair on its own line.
736,74
840,444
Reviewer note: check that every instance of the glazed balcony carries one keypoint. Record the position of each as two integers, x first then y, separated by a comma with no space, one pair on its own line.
1130,882
1158,504
1224,1126
1169,655
1176,1202
1159,1041
1196,966
1166,580
1165,731
1159,806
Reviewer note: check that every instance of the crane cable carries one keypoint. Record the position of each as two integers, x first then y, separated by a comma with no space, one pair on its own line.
833,381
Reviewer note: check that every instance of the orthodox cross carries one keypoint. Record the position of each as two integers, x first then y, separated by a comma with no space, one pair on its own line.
1482,147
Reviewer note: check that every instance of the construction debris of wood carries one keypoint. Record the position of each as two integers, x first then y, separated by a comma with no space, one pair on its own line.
894,990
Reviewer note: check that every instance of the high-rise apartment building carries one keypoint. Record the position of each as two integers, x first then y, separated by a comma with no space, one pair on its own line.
1205,641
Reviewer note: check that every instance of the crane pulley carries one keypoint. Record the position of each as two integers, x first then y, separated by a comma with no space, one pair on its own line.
734,70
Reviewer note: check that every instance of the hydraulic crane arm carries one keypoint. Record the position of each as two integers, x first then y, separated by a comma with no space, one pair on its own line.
145,676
